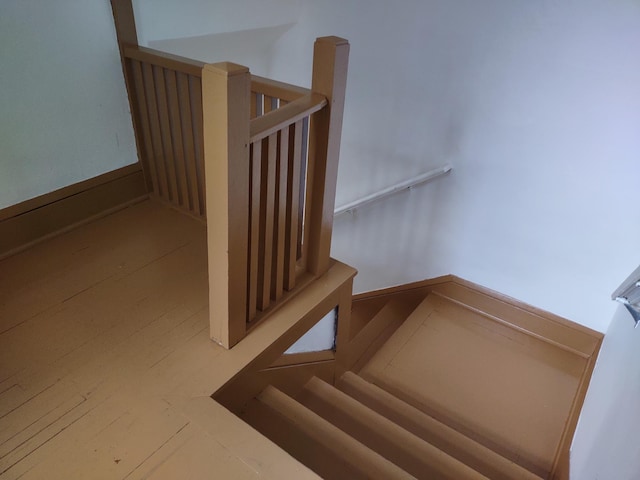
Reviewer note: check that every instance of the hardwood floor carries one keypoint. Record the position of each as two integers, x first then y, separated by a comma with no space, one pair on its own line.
106,366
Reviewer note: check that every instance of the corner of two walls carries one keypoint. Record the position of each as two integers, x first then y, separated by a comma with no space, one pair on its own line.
65,109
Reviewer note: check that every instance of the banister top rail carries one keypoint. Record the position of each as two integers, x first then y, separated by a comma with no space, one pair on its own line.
165,60
271,122
265,86
276,89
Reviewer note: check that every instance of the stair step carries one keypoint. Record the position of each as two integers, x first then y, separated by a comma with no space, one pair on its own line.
382,435
459,446
499,386
379,329
315,442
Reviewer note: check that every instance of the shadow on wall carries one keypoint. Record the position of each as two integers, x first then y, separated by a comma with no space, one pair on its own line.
389,241
252,48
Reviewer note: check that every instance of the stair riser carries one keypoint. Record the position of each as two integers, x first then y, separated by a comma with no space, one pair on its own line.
429,429
413,454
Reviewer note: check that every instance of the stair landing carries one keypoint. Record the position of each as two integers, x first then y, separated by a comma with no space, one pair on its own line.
506,387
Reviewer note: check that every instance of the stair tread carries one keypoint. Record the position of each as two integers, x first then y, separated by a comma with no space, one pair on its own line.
459,446
455,365
391,440
386,320
316,431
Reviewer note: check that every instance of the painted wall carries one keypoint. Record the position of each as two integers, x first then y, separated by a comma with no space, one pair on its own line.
217,30
534,103
65,115
605,445
537,107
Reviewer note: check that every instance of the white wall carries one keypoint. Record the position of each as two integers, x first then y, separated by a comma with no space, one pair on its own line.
65,115
534,103
605,445
241,31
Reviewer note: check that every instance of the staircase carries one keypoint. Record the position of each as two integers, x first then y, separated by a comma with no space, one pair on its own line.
458,383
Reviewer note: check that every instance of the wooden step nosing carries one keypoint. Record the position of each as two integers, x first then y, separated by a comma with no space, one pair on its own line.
370,390
514,326
417,449
320,430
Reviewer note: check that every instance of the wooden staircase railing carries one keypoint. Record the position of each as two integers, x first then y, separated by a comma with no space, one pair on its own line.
256,158
270,183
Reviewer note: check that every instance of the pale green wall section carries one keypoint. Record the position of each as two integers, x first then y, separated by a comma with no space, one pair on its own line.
65,115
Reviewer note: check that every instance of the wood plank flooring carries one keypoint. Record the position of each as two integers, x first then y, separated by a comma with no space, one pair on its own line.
106,366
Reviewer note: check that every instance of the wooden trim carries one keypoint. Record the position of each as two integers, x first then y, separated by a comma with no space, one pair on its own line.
535,322
432,284
124,21
303,357
34,220
273,88
64,192
516,326
164,60
525,306
561,463
422,284
270,123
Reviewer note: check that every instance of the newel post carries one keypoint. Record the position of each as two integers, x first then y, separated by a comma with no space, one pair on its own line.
226,105
330,60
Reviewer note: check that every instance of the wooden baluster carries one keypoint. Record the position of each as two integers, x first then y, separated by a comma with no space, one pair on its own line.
254,228
269,104
330,58
168,160
144,134
293,204
175,110
268,216
254,105
156,136
188,142
226,109
195,94
281,212
303,190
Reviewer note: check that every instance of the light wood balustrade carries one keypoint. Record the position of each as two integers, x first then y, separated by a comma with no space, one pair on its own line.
255,158
271,155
